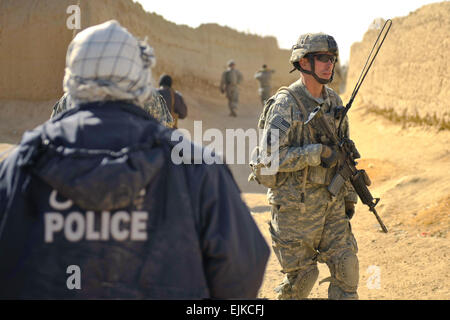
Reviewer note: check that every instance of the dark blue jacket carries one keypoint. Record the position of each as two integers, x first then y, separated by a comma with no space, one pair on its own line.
95,188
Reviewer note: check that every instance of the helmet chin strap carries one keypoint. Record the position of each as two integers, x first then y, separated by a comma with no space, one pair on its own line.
313,72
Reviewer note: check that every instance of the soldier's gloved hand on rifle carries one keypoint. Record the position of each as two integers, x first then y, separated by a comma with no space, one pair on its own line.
328,157
349,209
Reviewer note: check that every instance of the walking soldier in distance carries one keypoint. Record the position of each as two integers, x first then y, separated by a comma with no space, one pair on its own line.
230,80
264,77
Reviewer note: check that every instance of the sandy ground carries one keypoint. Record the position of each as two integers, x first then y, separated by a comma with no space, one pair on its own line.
409,168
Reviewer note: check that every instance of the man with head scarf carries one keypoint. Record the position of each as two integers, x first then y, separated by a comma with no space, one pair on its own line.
92,207
155,106
154,103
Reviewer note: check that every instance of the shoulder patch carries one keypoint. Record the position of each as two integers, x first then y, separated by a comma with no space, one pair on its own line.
279,123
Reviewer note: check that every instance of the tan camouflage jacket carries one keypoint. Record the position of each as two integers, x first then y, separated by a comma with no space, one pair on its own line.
264,77
60,106
155,106
300,147
230,78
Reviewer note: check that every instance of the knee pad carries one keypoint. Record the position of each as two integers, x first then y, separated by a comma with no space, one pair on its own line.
298,286
305,282
345,272
336,293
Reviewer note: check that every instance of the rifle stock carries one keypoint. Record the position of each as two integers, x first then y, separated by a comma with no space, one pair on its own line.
346,165
360,181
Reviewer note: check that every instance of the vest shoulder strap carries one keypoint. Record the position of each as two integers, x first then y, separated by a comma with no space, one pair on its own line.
296,98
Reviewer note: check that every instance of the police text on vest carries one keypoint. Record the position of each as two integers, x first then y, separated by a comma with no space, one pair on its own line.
76,226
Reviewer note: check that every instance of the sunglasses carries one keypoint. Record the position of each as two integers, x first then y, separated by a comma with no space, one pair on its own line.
323,57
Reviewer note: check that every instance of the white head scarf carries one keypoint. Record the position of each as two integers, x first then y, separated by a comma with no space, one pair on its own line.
106,62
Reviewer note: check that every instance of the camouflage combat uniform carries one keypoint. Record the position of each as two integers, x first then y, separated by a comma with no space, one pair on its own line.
157,108
154,105
264,76
60,106
320,231
229,84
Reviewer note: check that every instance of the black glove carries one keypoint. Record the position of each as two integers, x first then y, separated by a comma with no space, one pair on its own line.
349,209
328,157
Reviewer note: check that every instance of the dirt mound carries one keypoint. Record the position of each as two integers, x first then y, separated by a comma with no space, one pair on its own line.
409,80
19,116
34,37
434,219
33,44
379,171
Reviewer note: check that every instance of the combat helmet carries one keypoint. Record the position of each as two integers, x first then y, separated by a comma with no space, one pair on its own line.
310,43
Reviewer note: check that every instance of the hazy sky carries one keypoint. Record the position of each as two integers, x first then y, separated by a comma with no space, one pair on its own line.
345,20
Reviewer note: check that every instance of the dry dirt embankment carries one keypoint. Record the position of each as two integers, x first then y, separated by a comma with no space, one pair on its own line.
34,37
409,81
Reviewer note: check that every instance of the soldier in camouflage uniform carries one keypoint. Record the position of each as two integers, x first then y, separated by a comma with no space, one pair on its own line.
264,76
61,105
231,78
308,225
155,106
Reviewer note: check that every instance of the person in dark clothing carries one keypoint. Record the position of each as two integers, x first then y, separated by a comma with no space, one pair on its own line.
91,207
173,98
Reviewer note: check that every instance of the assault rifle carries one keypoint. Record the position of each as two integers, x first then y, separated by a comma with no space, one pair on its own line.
346,150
